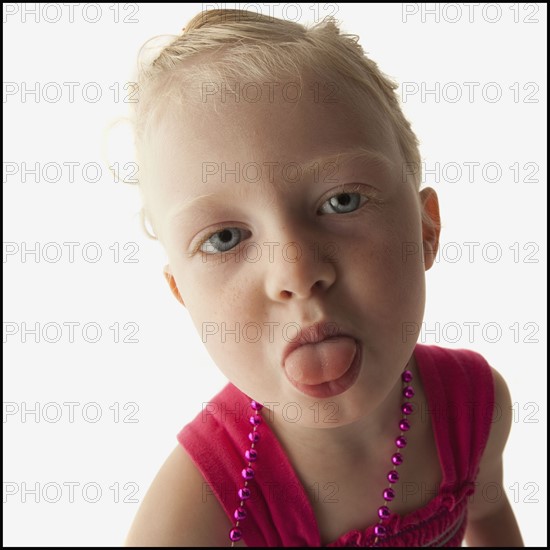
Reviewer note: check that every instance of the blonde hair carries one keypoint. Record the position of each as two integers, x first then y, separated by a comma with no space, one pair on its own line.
243,44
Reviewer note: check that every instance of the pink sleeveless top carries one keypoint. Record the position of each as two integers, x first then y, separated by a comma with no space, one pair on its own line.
459,390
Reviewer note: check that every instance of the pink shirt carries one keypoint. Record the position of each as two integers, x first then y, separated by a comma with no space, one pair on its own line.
460,394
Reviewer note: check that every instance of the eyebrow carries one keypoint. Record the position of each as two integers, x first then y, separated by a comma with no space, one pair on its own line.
371,159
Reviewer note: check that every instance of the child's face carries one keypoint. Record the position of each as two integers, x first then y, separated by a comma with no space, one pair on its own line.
359,264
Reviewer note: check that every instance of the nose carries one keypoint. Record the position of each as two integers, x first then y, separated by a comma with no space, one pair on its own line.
300,267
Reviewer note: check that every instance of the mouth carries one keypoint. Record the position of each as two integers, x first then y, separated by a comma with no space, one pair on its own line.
325,368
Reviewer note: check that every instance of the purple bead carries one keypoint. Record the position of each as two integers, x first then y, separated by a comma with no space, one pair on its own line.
407,376
388,494
256,406
401,442
244,493
240,513
235,535
393,476
407,408
397,459
255,420
247,473
251,455
404,425
408,392
380,531
384,512
254,437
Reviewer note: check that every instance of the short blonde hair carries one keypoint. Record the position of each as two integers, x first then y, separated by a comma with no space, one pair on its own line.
243,44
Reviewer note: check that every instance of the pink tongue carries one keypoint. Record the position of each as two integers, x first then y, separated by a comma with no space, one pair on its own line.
323,362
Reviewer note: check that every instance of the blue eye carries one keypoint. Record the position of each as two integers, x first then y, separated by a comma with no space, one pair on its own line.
223,239
349,202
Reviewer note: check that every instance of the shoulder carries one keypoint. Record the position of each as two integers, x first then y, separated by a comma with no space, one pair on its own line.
451,357
179,509
490,473
490,391
502,417
457,372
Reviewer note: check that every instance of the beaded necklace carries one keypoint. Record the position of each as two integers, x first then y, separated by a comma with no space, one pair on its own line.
251,455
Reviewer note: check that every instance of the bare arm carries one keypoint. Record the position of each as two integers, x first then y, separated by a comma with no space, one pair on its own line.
178,510
491,521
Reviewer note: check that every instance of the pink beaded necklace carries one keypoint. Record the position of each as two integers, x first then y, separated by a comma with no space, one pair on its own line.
251,455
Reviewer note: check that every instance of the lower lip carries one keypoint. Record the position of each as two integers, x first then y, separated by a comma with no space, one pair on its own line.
334,387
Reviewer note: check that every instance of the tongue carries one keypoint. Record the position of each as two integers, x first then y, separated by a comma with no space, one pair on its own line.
323,362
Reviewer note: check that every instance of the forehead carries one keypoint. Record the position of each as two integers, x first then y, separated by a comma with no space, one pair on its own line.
242,115
268,122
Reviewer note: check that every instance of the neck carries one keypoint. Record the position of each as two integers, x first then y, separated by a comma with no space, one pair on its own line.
359,438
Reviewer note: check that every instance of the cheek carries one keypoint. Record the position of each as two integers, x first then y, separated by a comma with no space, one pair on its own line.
406,273
224,299
388,273
226,315
403,242
383,272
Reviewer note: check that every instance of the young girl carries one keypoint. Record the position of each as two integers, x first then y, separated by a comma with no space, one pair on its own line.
280,175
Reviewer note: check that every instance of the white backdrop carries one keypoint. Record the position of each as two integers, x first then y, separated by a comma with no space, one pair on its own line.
103,367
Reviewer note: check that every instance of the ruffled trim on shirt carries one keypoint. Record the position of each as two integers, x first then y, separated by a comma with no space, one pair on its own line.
440,523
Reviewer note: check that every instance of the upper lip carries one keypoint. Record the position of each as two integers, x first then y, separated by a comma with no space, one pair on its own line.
313,334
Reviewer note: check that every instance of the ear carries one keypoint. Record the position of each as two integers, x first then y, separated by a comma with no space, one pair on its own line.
172,283
431,225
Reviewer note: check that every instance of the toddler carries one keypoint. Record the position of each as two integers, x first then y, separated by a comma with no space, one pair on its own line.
280,176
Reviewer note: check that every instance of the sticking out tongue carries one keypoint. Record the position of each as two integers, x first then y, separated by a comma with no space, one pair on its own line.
322,362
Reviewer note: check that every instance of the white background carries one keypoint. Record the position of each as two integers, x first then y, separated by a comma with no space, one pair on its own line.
167,374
